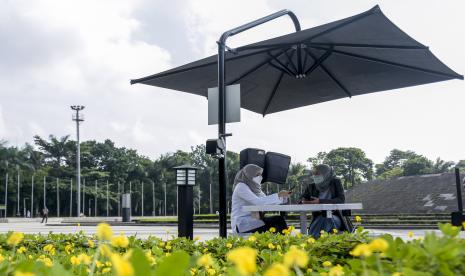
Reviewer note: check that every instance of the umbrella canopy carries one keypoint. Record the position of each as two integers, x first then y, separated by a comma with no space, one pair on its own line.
357,55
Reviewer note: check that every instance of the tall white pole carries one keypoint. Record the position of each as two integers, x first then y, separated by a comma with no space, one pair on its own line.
32,196
142,192
84,196
18,212
153,198
78,108
119,200
95,199
210,192
71,198
199,200
6,193
44,191
165,196
130,196
107,197
58,199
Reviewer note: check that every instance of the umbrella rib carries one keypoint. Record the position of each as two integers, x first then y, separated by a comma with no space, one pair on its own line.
280,69
318,62
283,66
255,68
330,74
292,63
394,63
275,88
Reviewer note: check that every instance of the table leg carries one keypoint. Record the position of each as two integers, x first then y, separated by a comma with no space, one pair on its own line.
303,223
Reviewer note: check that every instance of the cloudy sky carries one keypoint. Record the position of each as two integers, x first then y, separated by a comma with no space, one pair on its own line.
54,54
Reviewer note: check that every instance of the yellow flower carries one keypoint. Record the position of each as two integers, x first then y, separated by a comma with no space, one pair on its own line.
122,267
311,240
49,248
106,270
15,238
252,238
361,250
278,247
1,258
379,245
193,271
168,247
105,250
228,245
78,225
358,219
205,260
20,273
68,249
104,232
21,250
335,231
211,271
295,257
120,241
410,234
98,264
272,230
396,274
327,264
47,261
336,271
29,257
323,274
84,258
91,243
277,269
309,270
196,238
150,258
244,258
74,260
271,246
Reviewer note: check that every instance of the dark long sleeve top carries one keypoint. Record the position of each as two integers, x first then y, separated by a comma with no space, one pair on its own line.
337,195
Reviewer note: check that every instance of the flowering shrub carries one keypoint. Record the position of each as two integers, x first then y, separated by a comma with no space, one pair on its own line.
267,254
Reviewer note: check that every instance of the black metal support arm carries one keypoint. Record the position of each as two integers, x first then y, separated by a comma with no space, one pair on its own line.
222,102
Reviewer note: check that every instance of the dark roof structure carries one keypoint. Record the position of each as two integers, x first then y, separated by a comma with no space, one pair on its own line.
432,193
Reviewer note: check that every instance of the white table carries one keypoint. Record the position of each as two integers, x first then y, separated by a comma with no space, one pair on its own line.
303,209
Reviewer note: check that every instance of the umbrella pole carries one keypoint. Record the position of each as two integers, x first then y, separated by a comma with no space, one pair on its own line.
222,104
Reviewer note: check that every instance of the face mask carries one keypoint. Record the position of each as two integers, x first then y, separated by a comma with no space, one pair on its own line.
318,179
258,179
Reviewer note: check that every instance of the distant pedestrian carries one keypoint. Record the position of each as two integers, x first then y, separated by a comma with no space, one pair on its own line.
28,214
44,214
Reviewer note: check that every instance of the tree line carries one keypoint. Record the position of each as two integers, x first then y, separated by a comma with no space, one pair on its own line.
51,162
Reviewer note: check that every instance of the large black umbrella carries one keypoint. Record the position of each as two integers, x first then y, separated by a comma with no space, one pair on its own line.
361,54
357,55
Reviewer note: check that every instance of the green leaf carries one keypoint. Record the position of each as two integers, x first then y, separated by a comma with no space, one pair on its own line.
173,265
140,263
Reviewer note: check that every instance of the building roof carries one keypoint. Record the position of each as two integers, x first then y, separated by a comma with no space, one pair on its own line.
432,193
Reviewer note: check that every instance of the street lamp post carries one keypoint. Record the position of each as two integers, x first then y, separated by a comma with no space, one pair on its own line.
18,213
78,119
185,180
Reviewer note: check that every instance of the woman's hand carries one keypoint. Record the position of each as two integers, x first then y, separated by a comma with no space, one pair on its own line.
284,194
313,201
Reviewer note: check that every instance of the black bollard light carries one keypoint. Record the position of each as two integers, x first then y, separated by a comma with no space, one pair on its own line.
185,180
126,207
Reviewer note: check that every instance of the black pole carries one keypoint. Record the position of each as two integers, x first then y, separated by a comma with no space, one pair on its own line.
459,189
222,104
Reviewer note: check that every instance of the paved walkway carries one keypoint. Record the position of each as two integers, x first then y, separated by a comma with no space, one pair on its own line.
164,232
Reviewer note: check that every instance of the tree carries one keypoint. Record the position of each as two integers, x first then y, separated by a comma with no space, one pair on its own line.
350,164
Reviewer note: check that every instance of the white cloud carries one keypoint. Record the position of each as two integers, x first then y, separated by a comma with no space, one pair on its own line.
58,53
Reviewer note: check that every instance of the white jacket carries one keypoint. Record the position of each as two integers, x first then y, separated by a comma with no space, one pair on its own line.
243,196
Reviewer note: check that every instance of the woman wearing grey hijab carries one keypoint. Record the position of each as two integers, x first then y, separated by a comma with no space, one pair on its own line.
326,189
248,191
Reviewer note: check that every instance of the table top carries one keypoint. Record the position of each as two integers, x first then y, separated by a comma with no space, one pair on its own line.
303,207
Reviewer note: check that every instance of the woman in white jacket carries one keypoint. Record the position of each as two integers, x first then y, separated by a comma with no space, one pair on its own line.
247,191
